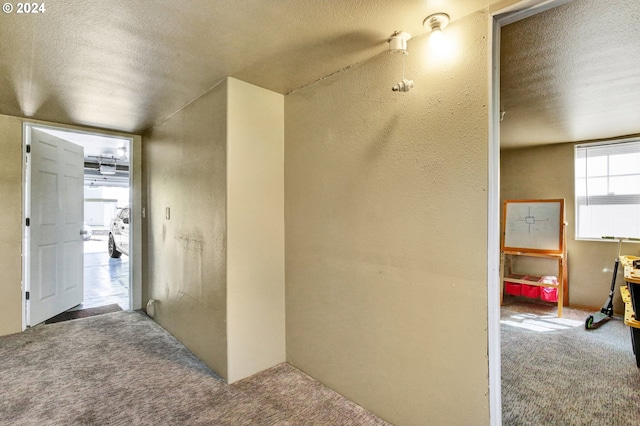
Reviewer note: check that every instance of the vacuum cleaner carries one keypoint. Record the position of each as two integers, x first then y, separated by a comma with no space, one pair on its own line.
606,312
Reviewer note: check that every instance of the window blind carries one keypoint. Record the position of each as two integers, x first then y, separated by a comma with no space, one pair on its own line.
607,189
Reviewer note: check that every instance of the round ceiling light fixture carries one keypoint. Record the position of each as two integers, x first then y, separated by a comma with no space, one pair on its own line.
436,23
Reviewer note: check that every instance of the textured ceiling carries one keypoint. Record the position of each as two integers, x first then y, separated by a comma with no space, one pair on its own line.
571,74
568,74
126,65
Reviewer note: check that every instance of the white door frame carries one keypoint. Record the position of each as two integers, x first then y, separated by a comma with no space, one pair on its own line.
135,239
499,18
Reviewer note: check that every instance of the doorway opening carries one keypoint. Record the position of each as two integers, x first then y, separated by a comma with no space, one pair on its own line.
501,17
105,193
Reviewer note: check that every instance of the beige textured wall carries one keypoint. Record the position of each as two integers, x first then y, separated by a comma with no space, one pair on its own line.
216,266
255,229
184,163
546,172
11,224
386,232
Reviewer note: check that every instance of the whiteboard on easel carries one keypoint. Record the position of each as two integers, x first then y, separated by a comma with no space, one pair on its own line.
533,225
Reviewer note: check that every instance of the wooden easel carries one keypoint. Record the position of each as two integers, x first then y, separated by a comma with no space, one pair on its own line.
534,228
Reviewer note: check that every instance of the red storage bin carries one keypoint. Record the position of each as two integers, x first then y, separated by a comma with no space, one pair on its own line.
530,291
549,294
513,289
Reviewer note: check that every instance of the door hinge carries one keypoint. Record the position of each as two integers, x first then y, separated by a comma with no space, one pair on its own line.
28,221
28,149
27,295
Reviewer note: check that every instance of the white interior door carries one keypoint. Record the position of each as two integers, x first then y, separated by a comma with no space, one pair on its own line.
55,211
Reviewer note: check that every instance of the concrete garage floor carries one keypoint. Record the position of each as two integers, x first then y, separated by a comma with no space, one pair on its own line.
106,280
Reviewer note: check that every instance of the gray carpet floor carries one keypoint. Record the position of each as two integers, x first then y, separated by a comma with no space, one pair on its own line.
570,376
124,369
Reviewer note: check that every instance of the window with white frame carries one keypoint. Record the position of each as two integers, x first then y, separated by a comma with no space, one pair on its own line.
607,177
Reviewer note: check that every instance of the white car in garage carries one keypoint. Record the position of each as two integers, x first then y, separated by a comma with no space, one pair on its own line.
119,234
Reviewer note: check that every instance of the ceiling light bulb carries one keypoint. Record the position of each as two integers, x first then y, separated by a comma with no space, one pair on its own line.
436,23
436,36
